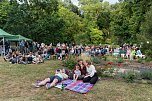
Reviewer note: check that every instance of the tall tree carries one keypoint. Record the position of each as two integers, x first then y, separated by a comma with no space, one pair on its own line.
4,9
37,20
72,26
127,19
146,39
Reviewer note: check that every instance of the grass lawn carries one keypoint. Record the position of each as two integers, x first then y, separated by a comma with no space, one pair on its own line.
16,80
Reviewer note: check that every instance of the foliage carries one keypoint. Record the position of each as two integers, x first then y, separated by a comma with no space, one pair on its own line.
127,18
72,25
104,58
147,32
99,71
130,76
140,60
4,9
70,62
107,71
96,36
96,60
146,74
94,22
38,21
120,60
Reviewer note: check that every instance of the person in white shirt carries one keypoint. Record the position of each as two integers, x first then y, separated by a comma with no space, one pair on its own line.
91,73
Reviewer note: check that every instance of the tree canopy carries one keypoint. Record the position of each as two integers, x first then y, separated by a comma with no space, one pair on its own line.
93,22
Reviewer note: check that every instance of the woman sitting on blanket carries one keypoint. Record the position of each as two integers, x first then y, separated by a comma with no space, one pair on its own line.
91,73
58,77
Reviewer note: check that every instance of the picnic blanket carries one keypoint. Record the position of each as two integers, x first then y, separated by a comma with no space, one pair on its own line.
77,86
65,82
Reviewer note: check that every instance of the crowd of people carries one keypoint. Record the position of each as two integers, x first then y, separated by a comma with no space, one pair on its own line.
35,53
128,52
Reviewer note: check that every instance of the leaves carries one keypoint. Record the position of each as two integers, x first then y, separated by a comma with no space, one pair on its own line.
94,22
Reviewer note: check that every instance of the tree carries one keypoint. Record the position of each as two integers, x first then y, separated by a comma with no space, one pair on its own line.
127,18
37,20
103,21
4,9
96,36
73,24
147,33
92,10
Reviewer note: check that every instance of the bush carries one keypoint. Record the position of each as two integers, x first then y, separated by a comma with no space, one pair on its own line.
148,54
130,76
146,74
70,62
140,60
120,60
96,60
108,72
99,71
148,59
105,58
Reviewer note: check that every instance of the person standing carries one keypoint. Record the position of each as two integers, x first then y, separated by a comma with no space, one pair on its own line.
22,45
7,46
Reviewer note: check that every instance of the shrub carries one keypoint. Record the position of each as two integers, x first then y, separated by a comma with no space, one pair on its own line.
96,60
148,59
129,76
109,72
148,54
146,74
120,60
140,60
105,58
70,62
99,71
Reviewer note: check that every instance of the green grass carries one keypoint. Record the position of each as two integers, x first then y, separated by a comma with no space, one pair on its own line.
16,80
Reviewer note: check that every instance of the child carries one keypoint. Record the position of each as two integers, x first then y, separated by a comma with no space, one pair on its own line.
36,60
77,73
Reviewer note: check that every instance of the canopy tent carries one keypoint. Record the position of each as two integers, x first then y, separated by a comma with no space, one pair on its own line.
18,38
4,35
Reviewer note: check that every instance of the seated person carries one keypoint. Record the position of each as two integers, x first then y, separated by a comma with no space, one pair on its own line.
139,54
77,73
48,53
23,60
58,77
91,73
41,59
44,54
8,56
15,58
29,58
82,69
36,59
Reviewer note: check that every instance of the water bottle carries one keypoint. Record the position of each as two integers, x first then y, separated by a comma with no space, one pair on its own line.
62,87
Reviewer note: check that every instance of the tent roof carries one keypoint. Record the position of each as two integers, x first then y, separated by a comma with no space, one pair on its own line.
4,34
19,38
